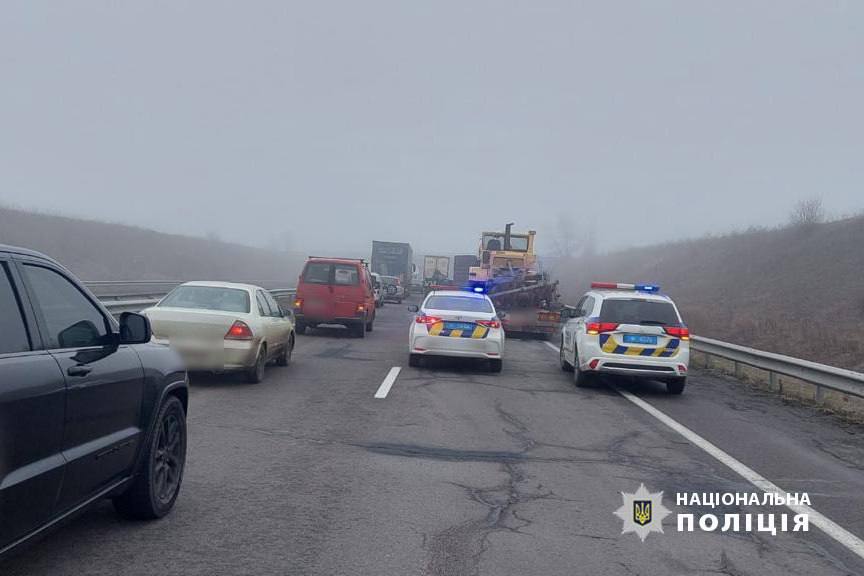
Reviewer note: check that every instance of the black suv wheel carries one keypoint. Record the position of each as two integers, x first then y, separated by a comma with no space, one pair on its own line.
155,489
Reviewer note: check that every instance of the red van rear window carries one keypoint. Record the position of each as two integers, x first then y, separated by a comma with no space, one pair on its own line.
326,273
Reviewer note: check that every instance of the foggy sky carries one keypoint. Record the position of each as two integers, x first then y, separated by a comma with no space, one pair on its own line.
325,125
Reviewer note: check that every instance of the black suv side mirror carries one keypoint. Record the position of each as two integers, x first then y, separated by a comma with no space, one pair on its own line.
134,328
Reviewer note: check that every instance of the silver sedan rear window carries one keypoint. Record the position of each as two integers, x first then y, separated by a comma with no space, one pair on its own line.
208,298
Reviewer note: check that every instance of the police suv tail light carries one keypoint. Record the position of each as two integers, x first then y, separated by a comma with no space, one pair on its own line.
681,332
594,328
428,320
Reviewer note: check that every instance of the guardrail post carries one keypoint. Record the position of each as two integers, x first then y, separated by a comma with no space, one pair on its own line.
774,382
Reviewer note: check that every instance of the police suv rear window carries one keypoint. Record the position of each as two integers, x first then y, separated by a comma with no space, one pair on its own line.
638,311
458,303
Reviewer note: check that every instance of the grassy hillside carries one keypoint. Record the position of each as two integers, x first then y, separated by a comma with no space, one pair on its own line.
100,251
797,290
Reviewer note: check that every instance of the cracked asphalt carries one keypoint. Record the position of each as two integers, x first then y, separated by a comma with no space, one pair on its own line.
461,472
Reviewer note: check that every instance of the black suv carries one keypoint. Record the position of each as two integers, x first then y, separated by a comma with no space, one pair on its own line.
89,409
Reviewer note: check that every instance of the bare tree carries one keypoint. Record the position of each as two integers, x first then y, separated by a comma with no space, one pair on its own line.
807,212
565,241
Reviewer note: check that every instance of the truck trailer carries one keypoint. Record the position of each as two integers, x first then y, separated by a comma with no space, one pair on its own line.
393,259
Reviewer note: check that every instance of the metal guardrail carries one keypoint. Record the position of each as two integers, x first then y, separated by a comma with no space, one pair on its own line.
820,375
135,302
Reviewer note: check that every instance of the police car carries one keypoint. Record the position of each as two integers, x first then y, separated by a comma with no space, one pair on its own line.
629,329
456,323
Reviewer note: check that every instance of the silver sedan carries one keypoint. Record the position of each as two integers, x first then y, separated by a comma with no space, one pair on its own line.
223,327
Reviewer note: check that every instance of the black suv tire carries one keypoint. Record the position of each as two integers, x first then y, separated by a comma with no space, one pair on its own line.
148,497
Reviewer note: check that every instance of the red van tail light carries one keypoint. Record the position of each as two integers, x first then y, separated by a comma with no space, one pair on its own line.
489,323
428,320
239,331
595,328
681,332
298,303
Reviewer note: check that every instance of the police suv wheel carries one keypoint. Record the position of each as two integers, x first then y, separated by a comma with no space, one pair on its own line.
565,366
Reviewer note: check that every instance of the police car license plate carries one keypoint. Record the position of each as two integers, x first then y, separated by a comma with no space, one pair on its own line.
640,339
459,326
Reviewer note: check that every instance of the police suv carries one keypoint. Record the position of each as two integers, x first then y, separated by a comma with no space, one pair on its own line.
628,329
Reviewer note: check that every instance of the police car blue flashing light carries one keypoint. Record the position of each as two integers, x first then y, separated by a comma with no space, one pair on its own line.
478,287
653,288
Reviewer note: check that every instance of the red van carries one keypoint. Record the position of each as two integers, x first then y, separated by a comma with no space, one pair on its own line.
335,291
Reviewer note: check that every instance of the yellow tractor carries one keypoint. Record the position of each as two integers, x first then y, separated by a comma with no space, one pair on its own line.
510,274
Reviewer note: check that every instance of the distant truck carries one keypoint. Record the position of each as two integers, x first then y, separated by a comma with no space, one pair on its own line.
436,269
461,268
393,259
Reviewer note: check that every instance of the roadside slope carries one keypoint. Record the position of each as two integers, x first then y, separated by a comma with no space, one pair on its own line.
797,291
102,251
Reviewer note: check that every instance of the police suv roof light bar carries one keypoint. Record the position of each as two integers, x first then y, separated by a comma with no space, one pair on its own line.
651,288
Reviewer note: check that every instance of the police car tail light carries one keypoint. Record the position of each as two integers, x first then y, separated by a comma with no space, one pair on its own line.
595,328
428,320
489,323
681,332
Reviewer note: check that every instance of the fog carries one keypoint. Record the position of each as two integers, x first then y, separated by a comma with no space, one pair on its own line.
320,126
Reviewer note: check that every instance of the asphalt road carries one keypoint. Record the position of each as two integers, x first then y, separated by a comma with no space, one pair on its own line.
462,472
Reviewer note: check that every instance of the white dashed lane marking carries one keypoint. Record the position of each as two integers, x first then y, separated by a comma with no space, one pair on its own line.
384,389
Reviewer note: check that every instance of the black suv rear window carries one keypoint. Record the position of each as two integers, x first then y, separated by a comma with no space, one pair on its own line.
13,336
636,311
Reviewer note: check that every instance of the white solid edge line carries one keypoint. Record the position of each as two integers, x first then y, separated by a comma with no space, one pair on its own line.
552,346
384,389
828,526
